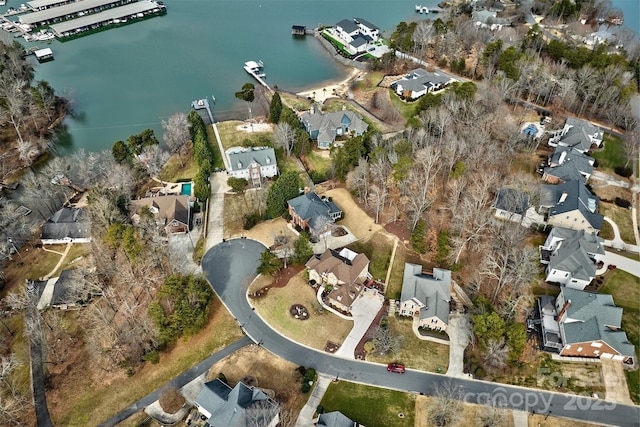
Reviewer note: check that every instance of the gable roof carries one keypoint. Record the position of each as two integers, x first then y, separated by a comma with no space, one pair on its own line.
67,223
588,127
590,317
420,79
572,257
570,163
348,25
432,291
62,289
571,196
335,419
576,137
311,206
326,124
240,159
512,200
345,265
165,208
366,23
236,407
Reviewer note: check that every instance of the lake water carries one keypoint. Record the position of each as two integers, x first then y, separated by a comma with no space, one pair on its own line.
127,79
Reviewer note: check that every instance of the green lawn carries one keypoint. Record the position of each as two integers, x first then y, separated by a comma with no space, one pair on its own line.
379,253
369,82
317,162
414,352
622,217
173,171
370,406
407,109
231,136
211,136
625,289
611,154
294,102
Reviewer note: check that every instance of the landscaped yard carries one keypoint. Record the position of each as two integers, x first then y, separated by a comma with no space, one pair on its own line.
315,331
319,161
236,206
369,82
294,102
415,353
233,136
625,289
611,155
355,219
403,255
407,109
100,400
218,162
172,171
378,249
370,406
622,217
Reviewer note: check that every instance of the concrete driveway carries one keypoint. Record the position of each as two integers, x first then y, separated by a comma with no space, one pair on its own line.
364,311
623,263
216,208
458,331
615,381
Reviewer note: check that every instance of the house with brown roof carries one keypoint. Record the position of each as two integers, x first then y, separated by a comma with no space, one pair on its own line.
173,213
342,273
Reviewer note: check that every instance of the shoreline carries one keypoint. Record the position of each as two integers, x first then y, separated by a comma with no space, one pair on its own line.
331,88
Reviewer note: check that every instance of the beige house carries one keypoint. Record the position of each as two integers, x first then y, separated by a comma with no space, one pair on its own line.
343,274
426,296
173,213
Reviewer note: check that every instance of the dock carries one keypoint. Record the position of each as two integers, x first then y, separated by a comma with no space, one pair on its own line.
255,69
43,55
36,5
298,30
68,11
203,103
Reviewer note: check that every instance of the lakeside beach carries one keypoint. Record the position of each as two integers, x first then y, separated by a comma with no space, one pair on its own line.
332,88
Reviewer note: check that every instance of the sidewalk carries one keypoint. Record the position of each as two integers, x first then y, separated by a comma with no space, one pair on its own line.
305,419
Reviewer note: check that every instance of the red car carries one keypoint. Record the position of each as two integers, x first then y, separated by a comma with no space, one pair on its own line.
394,367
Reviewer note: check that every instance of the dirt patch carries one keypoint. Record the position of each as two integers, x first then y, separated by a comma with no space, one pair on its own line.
255,127
608,193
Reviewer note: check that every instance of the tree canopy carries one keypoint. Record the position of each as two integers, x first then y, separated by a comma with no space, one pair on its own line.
286,187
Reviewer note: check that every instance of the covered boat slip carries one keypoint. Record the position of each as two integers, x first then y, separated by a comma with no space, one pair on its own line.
43,55
46,4
68,11
95,20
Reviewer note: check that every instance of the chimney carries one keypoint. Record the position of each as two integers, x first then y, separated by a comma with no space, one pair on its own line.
564,309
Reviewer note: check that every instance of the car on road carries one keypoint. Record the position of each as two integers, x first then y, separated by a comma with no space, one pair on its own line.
397,368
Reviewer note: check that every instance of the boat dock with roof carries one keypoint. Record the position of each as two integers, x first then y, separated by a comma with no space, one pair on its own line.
68,11
255,69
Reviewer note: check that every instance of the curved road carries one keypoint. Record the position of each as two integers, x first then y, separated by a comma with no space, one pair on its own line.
230,267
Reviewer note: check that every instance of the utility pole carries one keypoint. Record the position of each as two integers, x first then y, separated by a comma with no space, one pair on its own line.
16,249
250,119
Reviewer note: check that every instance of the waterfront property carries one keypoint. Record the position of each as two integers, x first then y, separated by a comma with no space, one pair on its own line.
325,127
43,55
113,16
309,211
583,324
67,225
426,295
419,82
68,11
172,213
356,34
252,164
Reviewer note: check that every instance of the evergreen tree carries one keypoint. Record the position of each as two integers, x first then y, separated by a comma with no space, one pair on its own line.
275,109
302,250
286,187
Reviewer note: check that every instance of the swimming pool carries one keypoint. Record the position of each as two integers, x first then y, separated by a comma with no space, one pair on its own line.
186,189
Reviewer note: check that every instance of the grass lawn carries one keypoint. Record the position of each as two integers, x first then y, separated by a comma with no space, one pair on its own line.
100,400
415,353
355,219
218,162
606,231
625,289
370,406
315,331
231,136
369,82
378,249
612,153
318,162
237,206
403,255
622,217
172,171
294,102
407,109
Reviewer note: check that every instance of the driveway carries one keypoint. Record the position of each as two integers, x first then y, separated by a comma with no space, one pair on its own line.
216,208
364,311
623,263
615,381
458,331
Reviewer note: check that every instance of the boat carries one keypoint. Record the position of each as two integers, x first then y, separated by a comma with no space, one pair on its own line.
255,69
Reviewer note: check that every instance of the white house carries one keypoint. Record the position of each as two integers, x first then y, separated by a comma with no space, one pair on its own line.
252,163
357,34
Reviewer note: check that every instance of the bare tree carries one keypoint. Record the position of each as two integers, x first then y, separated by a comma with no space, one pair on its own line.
446,406
285,136
262,413
156,159
176,134
496,354
322,228
492,416
386,342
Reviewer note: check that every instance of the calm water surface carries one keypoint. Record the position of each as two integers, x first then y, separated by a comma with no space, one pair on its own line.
130,78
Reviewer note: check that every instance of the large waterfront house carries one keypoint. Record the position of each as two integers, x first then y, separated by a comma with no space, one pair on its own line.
67,225
308,211
357,33
571,205
427,296
571,257
343,274
324,128
252,164
578,134
489,19
568,164
583,324
240,406
419,82
172,213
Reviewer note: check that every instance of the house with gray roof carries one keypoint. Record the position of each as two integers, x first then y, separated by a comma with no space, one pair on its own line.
65,291
568,164
579,134
489,19
335,419
427,296
513,205
419,82
252,163
589,325
67,225
356,34
240,406
571,257
571,205
307,210
324,128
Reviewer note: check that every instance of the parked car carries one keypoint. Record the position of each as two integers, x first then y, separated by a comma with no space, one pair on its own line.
394,367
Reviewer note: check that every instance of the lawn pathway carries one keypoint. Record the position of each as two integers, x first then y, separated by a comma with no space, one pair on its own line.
63,255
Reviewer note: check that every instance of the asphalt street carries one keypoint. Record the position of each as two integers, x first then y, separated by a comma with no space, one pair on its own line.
230,267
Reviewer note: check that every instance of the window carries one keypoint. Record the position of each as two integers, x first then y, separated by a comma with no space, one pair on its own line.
566,274
596,344
579,349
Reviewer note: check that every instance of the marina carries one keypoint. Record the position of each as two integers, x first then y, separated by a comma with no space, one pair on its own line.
37,5
256,69
67,11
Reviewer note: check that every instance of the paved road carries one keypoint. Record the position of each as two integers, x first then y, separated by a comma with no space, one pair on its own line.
230,267
178,382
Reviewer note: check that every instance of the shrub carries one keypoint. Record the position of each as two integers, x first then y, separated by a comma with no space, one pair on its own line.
152,356
317,177
417,238
622,203
305,387
251,220
222,377
310,374
623,171
320,409
480,373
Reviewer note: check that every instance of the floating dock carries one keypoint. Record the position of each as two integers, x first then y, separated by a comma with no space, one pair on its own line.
112,16
255,69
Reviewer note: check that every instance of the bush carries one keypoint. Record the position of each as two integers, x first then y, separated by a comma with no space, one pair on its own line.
623,171
317,177
251,220
623,203
320,409
310,375
152,356
480,373
305,387
222,377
